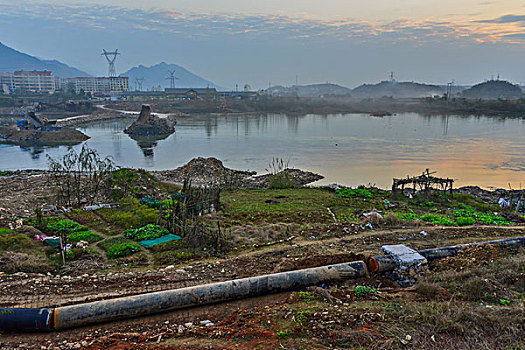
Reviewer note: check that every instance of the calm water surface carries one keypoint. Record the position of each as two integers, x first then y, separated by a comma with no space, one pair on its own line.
347,149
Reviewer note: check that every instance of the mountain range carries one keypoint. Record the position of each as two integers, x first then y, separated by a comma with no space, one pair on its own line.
396,89
158,75
12,60
494,89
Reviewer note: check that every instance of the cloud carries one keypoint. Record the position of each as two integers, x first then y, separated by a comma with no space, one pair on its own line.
506,19
231,48
201,26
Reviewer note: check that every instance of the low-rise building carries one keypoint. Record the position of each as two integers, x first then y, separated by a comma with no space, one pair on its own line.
96,84
36,81
192,93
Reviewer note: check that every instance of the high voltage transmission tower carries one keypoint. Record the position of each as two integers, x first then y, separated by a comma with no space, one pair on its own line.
172,78
111,57
138,84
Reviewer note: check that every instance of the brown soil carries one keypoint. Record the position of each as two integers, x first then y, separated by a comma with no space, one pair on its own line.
333,312
22,193
211,171
469,257
64,136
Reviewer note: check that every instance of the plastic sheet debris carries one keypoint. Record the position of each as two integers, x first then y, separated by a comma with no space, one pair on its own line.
96,207
164,239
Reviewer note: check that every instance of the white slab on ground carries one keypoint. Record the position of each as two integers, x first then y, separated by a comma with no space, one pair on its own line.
404,255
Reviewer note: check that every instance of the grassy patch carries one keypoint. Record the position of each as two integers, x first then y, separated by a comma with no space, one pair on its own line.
407,216
473,202
9,172
347,217
77,253
129,214
121,250
16,243
265,205
361,291
19,253
438,219
5,231
90,219
466,211
465,221
107,243
360,192
87,236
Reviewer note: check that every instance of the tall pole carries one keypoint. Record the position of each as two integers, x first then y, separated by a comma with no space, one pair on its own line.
138,84
111,57
172,78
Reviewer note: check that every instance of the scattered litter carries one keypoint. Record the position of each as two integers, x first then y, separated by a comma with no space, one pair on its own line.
82,244
423,233
96,207
373,215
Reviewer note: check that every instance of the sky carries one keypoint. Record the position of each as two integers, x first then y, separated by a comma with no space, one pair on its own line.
262,42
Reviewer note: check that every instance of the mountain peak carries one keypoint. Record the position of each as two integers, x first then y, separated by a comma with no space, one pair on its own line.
12,60
158,75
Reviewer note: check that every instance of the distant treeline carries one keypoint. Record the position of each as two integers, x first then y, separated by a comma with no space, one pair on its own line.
334,105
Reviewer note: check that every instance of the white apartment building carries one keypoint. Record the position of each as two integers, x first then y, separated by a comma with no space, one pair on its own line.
37,81
96,84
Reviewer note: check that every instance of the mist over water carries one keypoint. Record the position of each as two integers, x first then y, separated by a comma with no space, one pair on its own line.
349,149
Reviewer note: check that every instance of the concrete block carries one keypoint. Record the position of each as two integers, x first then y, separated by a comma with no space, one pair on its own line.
404,256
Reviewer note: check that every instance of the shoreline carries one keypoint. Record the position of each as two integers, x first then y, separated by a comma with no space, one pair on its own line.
162,175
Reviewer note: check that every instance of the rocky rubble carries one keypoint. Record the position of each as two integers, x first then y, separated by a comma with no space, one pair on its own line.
211,171
149,124
32,137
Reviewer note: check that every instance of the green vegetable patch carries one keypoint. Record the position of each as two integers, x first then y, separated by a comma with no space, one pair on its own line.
146,232
121,250
360,192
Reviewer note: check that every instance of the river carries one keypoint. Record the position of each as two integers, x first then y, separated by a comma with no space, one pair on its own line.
349,149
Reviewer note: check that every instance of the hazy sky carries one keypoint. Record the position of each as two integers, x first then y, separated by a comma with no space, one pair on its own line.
261,41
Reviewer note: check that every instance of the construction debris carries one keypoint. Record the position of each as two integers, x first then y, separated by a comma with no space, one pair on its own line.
151,125
34,131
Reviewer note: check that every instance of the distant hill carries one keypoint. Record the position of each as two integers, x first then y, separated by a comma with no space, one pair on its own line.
314,90
494,89
156,75
396,89
12,60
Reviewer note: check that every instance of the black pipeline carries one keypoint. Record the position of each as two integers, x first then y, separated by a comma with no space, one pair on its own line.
385,263
146,304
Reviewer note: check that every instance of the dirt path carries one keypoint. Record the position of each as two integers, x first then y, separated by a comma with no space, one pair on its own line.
36,290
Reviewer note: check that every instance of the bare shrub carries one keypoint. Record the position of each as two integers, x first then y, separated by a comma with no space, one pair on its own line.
200,236
78,178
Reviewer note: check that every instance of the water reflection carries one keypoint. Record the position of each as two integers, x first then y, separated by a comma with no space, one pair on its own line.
348,149
147,143
35,152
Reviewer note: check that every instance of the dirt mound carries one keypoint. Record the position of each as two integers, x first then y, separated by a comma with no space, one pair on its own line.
150,125
297,176
32,137
211,171
203,171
